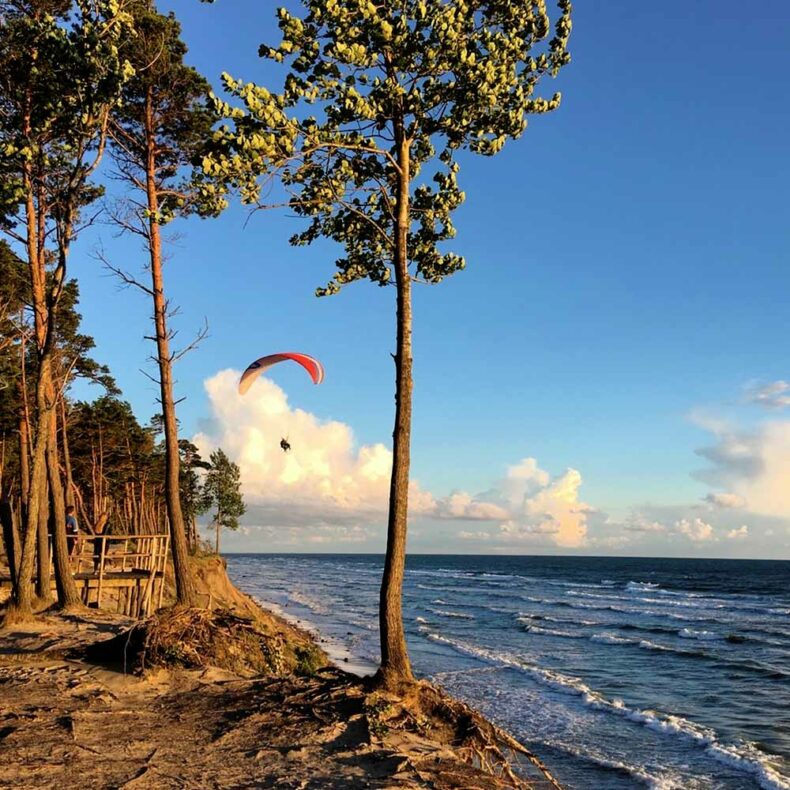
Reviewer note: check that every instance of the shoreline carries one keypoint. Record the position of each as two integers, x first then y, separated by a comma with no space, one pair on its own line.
338,654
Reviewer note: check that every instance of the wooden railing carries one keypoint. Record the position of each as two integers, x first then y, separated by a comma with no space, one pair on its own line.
134,565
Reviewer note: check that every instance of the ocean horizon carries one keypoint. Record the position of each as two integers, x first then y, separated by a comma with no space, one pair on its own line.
619,672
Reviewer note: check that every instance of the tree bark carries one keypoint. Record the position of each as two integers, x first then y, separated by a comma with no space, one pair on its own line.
37,476
68,597
69,490
11,538
22,593
216,546
395,666
185,589
24,421
43,587
24,458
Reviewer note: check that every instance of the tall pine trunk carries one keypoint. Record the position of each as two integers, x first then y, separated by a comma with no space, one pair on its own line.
37,477
69,482
43,587
185,589
395,666
36,497
68,597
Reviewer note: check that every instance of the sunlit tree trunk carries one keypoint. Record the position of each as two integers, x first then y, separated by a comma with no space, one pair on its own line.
68,597
43,587
395,666
23,592
185,590
64,432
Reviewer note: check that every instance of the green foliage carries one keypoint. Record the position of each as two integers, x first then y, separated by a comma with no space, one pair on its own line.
164,105
19,360
309,659
110,450
60,72
73,358
222,490
366,79
193,499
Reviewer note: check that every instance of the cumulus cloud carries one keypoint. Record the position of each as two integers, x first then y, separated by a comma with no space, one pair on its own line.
752,465
725,500
324,479
464,507
775,395
639,523
696,530
738,534
529,505
337,490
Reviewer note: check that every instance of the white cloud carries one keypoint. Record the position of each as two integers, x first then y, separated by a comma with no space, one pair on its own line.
725,500
738,534
479,535
639,523
323,475
530,506
696,530
464,507
775,395
328,490
754,466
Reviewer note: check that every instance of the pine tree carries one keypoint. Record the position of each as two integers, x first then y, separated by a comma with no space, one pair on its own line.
60,74
377,102
222,491
155,132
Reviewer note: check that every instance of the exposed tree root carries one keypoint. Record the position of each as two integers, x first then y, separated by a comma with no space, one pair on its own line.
424,709
196,638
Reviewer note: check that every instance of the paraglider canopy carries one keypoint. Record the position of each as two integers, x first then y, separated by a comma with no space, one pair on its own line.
311,365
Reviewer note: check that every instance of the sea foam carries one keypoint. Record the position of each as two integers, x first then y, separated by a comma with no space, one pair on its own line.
744,757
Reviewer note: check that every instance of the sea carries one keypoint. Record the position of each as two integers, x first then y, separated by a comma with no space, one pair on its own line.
617,672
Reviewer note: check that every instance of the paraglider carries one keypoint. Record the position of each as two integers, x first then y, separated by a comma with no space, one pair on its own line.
311,365
314,368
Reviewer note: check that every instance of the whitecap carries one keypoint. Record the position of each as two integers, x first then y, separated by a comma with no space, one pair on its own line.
457,615
706,636
641,586
611,639
743,757
536,629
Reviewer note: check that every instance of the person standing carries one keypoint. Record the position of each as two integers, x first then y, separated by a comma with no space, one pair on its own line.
98,545
72,531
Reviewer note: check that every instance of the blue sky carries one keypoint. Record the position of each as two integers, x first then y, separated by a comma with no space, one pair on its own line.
626,283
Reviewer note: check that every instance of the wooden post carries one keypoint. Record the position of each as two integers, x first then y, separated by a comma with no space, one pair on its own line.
153,561
163,567
103,540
